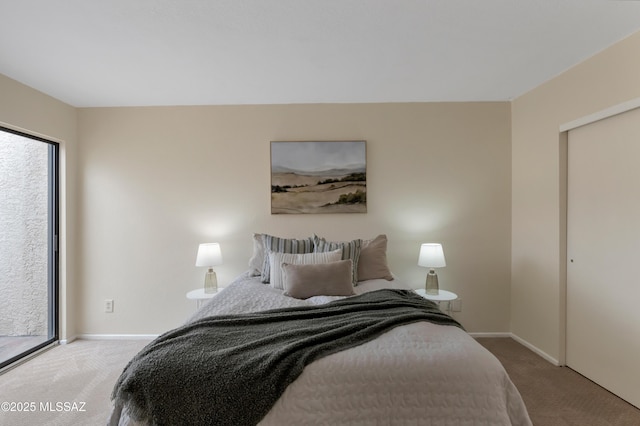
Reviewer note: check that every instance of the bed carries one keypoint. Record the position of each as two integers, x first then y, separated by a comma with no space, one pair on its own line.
420,371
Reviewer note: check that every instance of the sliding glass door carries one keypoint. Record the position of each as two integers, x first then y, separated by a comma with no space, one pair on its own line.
28,244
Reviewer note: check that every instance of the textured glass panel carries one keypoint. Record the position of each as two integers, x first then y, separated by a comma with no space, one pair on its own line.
25,235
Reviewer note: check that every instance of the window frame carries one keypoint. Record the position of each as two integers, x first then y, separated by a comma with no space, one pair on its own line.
53,249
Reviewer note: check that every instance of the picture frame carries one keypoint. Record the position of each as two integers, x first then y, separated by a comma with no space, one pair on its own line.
318,177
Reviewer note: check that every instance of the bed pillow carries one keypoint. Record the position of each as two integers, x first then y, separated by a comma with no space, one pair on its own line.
372,263
257,258
283,245
350,250
277,259
321,279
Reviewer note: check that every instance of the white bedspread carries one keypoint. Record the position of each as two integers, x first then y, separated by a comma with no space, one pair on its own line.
417,374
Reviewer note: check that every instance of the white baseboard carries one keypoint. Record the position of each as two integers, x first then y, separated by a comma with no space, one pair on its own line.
67,340
523,342
117,336
540,352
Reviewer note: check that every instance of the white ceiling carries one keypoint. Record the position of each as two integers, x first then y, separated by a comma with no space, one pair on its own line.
199,52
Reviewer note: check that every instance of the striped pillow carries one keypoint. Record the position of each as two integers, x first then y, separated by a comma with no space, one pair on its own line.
282,245
276,260
350,250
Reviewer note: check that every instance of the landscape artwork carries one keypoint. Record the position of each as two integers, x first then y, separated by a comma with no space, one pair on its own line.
318,177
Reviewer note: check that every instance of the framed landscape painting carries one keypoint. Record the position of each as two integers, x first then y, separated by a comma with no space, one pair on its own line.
318,177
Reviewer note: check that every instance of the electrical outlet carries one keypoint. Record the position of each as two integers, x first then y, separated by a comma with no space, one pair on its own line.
108,305
456,305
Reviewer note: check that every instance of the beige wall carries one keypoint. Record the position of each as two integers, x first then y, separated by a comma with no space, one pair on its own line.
156,181
539,166
25,109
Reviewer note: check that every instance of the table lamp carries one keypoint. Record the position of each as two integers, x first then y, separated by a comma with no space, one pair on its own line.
431,256
209,255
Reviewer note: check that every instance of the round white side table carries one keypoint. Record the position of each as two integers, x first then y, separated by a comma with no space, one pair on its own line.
442,296
200,296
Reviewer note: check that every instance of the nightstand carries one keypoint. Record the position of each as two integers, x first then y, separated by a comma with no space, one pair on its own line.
200,296
442,296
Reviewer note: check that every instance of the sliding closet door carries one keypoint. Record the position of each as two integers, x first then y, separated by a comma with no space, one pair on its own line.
28,244
603,241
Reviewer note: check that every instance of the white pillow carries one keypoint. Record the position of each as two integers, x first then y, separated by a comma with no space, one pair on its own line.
276,259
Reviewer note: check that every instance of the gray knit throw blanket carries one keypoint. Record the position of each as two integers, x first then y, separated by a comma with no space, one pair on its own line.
231,369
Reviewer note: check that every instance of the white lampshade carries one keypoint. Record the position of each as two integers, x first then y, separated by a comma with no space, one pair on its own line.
431,256
209,254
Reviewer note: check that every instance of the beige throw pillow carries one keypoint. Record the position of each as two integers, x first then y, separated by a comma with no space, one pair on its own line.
322,279
277,259
256,261
372,263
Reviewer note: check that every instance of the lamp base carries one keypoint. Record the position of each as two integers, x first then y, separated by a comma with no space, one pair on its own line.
210,281
431,286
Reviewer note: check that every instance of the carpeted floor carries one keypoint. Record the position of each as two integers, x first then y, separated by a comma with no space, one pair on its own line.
79,375
558,396
70,385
